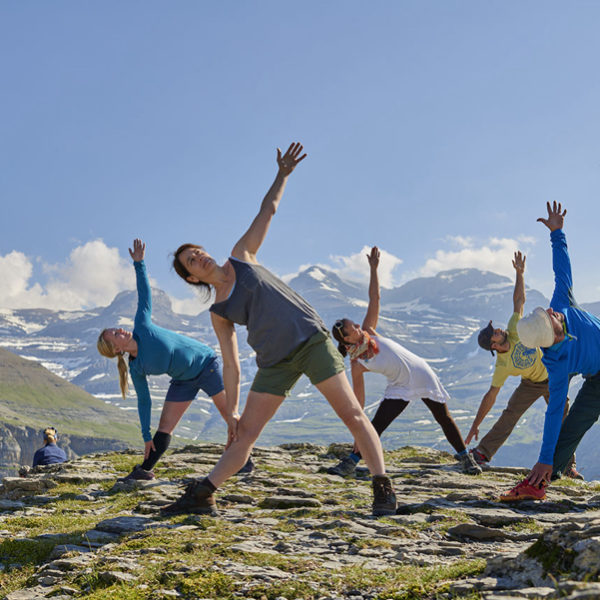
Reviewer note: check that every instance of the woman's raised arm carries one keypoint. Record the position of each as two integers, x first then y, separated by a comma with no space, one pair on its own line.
144,307
250,242
370,320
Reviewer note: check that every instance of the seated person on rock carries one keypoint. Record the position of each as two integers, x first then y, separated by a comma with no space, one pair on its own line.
570,341
49,453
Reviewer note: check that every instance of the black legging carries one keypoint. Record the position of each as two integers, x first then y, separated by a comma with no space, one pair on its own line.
389,409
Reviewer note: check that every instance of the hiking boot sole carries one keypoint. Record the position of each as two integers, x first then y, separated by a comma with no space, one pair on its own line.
383,512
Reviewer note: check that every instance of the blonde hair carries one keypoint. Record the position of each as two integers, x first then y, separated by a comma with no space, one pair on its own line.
108,351
50,435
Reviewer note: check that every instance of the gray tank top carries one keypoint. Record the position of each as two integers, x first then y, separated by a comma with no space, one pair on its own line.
277,318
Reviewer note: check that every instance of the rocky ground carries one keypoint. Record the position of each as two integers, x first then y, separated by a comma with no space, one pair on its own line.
291,531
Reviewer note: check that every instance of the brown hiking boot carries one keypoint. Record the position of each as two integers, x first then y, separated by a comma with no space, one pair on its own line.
197,499
573,473
384,499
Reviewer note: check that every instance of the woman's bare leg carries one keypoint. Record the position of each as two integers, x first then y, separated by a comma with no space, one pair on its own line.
339,394
258,411
171,415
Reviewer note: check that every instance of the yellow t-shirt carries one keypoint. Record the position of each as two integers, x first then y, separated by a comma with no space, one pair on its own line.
519,360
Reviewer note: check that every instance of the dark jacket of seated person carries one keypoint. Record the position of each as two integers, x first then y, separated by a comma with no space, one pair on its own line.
49,453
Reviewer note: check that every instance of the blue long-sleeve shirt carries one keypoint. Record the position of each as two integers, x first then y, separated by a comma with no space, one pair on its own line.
579,352
160,351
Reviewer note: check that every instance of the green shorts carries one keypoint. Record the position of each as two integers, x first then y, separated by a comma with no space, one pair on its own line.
317,358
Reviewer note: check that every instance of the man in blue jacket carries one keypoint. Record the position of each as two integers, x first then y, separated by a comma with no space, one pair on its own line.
570,341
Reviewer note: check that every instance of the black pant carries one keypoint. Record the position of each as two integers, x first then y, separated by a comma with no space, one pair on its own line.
390,408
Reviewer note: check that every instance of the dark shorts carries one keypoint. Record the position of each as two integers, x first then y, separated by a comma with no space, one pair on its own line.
210,381
316,358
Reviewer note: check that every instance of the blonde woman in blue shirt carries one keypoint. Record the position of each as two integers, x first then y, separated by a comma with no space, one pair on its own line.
153,350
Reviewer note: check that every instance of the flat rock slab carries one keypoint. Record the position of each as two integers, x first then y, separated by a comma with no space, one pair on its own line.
93,535
491,517
238,498
62,549
282,502
11,505
117,577
477,532
83,477
122,525
29,594
252,548
25,484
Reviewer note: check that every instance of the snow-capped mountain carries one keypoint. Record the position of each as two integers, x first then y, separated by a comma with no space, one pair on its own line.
436,317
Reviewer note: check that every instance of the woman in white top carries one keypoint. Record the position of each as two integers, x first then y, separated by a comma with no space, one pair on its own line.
409,377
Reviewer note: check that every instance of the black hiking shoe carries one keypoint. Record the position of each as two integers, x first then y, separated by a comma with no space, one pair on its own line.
344,468
468,464
138,474
384,499
197,499
247,468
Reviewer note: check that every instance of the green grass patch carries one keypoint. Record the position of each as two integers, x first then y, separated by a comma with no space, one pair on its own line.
25,551
526,526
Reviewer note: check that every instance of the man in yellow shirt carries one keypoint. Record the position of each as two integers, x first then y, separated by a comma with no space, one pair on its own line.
513,359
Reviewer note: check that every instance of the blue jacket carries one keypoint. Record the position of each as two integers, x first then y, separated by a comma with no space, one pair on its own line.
579,352
160,351
49,455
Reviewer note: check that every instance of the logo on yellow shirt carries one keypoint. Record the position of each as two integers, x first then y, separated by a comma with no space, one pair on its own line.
523,357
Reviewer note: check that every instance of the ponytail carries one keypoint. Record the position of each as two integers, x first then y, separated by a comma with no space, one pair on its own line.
342,349
107,351
123,375
338,334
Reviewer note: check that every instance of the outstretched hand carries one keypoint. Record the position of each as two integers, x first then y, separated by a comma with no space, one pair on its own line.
139,250
519,262
373,257
473,433
288,162
556,216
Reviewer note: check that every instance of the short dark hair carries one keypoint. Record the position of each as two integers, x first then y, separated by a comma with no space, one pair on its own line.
182,271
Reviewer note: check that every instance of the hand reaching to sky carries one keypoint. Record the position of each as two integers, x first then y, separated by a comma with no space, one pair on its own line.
139,250
288,162
373,257
519,262
556,216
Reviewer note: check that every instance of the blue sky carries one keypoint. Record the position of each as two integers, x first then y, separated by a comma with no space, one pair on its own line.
437,130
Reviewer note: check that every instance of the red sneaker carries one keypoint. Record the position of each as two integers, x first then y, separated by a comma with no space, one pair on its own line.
525,491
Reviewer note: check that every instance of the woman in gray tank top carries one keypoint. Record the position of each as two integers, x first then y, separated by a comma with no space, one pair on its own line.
289,338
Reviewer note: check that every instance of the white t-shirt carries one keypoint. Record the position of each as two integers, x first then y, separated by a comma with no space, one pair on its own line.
409,376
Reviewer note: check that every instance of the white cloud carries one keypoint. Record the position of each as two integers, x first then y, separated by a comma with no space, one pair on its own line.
356,267
91,276
495,255
15,272
188,306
